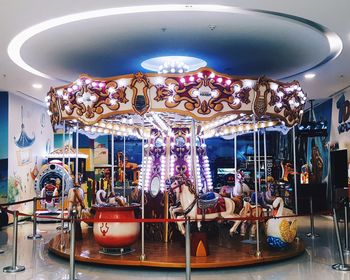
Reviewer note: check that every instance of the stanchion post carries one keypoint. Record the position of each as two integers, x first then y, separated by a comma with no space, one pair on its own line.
35,235
72,246
14,267
312,234
346,228
339,266
188,249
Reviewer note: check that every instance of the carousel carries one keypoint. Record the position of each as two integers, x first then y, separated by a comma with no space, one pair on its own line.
173,115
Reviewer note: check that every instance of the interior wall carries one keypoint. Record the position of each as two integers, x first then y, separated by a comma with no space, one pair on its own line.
30,138
3,146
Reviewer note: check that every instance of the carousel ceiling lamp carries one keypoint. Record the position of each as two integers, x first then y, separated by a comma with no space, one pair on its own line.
173,64
273,86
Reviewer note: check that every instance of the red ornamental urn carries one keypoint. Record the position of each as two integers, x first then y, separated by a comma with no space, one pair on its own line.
115,234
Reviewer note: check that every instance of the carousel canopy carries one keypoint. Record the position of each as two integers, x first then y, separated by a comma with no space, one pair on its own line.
136,103
69,152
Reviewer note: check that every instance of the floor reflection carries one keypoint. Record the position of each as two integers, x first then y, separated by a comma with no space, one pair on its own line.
316,263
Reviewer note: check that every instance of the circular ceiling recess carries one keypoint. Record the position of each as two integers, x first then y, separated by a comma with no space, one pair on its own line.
231,40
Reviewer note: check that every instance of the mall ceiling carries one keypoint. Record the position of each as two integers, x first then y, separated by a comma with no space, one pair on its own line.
280,39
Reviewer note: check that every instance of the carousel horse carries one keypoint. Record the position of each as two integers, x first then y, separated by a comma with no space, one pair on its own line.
48,192
190,204
281,231
111,198
250,211
236,192
76,201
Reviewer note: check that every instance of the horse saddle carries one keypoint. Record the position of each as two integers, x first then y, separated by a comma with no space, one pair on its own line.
207,200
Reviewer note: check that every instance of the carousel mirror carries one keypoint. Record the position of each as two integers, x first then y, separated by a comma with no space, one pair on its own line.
155,186
180,141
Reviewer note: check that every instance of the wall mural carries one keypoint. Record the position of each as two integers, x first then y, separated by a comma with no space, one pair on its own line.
4,145
30,138
317,149
340,132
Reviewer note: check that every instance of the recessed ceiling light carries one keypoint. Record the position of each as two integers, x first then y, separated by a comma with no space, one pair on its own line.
309,76
37,86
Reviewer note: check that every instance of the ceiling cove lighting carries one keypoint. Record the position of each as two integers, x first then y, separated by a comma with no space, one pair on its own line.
14,48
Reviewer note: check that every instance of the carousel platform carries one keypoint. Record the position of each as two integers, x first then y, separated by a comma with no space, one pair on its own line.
231,252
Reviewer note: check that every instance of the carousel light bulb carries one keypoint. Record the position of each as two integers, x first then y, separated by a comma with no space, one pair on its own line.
236,88
79,82
49,112
113,101
302,102
301,112
94,84
219,80
93,129
69,90
172,70
212,75
93,98
99,130
279,105
87,128
59,92
291,102
228,82
67,108
296,104
171,99
101,85
47,104
280,94
236,100
274,86
195,93
75,87
200,75
182,80
87,81
109,126
270,123
106,131
191,79
80,99
111,90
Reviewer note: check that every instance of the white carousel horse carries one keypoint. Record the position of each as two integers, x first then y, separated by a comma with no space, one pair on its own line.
281,231
188,200
103,197
76,199
238,189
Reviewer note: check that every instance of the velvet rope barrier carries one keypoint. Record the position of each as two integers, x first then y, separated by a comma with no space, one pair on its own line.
163,220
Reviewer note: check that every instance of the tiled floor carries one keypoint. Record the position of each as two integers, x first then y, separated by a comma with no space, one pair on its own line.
314,264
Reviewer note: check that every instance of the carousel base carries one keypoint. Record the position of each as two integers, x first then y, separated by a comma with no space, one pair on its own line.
43,216
229,253
116,251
